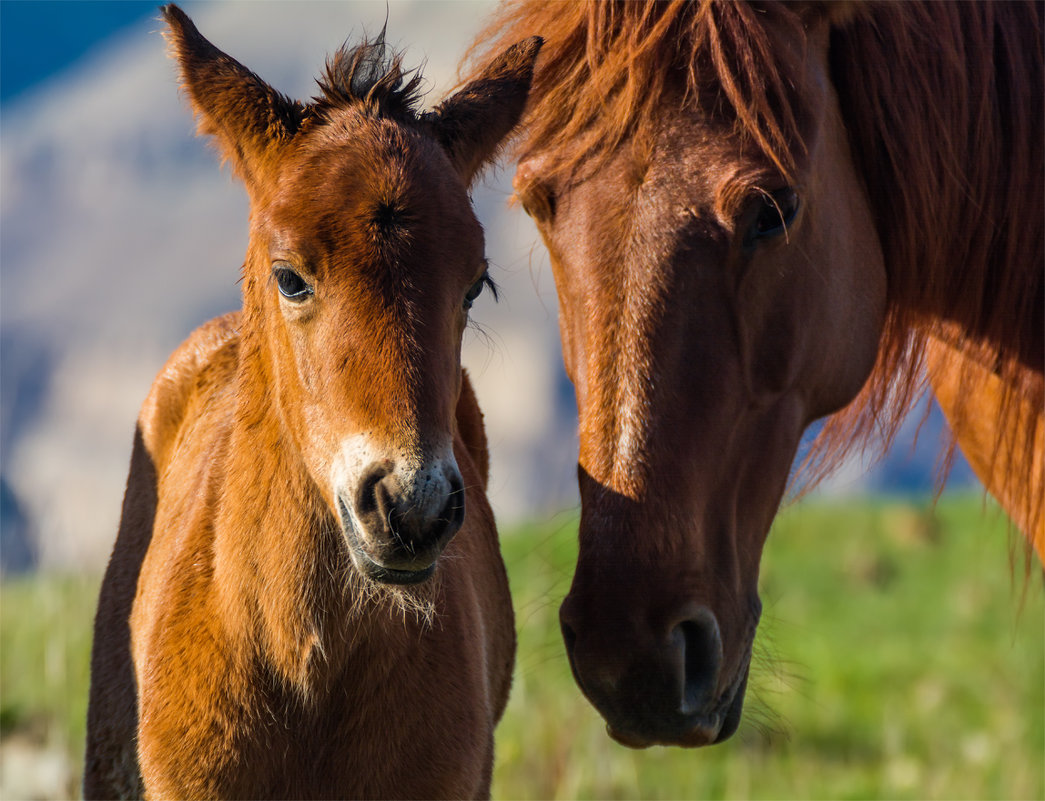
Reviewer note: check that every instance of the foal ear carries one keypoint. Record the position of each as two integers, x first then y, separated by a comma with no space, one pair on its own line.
248,118
475,120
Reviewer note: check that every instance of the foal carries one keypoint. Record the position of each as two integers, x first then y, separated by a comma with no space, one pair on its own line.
306,596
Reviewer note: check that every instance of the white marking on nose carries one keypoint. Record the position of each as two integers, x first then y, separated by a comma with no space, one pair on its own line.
429,481
426,480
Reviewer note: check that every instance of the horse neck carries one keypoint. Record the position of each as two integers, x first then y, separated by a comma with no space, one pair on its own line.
946,139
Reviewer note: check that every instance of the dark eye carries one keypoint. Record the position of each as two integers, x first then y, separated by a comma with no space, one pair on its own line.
476,289
775,212
291,285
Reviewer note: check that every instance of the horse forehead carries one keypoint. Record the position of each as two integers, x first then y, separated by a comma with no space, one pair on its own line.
637,210
380,162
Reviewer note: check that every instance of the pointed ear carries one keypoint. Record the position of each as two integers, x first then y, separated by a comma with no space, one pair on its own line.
475,120
249,120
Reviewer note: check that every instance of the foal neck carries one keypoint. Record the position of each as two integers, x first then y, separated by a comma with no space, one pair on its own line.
282,572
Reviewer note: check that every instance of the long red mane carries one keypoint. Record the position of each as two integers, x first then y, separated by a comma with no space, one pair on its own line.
943,103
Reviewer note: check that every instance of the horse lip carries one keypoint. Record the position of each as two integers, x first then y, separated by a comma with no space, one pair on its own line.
692,733
381,573
369,566
691,729
388,575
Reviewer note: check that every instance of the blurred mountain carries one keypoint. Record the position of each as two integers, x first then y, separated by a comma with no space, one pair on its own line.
120,234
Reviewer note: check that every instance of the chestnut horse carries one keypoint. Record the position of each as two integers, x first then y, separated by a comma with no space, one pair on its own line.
758,215
306,597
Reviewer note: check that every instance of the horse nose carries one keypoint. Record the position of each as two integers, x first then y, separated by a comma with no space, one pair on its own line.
408,516
651,688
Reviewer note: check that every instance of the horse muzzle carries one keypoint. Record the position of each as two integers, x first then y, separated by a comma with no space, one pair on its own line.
667,689
397,520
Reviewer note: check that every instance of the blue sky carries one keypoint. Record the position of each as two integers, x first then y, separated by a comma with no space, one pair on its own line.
39,38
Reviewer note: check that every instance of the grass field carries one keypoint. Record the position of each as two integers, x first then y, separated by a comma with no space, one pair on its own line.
900,656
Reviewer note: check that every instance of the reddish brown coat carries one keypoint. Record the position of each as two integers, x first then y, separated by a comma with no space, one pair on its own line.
760,214
262,632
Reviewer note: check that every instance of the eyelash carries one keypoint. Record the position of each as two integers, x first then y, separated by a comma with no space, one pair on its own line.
476,289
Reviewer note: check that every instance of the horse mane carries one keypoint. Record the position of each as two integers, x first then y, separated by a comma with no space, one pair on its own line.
607,68
371,74
943,104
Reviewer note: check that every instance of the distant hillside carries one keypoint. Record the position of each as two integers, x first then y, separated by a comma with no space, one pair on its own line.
120,235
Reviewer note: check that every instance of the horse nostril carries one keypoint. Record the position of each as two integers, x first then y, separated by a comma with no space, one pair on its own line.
409,520
700,642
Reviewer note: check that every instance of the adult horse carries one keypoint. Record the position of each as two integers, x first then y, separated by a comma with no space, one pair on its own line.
306,596
758,215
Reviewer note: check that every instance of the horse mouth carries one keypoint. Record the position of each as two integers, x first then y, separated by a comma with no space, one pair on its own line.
371,567
691,730
389,575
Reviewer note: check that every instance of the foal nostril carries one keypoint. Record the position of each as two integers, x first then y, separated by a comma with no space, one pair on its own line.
452,514
409,520
372,499
700,643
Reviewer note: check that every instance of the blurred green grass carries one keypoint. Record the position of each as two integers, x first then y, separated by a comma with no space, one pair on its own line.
901,655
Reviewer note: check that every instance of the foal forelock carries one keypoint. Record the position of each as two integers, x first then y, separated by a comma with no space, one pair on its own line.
373,75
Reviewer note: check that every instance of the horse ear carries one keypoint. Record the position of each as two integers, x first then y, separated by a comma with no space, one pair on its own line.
475,120
248,118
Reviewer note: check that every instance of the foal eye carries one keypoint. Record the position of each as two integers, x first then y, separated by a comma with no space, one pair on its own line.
776,211
291,285
476,289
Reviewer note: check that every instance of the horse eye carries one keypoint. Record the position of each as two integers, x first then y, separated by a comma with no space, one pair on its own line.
476,289
775,213
538,201
291,285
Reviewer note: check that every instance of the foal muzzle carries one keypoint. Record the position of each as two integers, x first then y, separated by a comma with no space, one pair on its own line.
398,518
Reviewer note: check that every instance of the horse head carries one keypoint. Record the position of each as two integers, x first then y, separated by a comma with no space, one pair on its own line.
717,294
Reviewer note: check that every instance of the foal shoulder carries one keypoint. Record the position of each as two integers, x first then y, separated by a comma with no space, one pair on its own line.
210,351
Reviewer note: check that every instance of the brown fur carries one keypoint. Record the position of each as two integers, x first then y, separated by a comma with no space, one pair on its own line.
911,134
246,645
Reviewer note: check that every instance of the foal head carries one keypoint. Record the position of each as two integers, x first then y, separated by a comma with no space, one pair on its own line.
363,260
